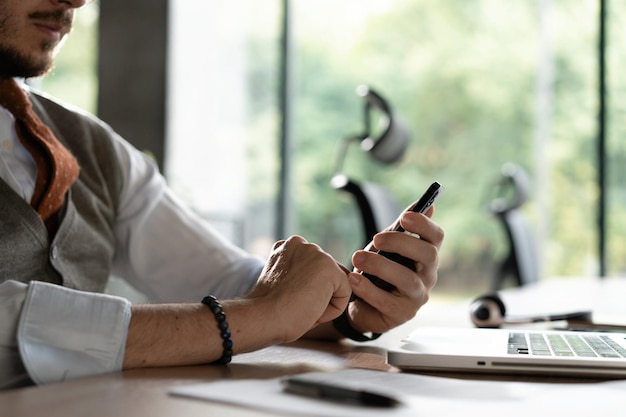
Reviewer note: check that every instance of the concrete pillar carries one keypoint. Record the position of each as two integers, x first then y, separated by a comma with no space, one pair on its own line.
132,71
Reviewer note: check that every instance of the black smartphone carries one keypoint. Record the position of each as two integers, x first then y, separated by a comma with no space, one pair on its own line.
421,206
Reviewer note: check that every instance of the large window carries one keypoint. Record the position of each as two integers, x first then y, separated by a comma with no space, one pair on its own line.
479,83
223,116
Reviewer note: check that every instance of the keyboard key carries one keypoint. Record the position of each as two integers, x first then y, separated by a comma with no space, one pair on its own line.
600,347
579,346
517,344
559,345
539,345
616,347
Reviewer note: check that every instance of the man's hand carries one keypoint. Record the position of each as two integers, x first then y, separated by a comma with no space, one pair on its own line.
377,310
301,286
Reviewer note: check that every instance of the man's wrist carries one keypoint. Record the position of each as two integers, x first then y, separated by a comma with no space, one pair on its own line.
343,326
220,316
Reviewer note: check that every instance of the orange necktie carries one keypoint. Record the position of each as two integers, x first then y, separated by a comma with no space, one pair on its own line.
57,168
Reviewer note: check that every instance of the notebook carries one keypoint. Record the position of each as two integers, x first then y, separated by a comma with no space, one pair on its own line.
513,351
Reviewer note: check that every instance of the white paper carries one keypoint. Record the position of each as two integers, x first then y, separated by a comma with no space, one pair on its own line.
420,396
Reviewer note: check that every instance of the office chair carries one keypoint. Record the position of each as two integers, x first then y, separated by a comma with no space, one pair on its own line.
385,143
520,264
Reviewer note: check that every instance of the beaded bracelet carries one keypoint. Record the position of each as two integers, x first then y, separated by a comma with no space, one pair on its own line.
222,324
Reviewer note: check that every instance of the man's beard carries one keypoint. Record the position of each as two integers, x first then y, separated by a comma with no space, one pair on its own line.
13,64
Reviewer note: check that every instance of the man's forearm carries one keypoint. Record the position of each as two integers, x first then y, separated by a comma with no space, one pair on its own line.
187,334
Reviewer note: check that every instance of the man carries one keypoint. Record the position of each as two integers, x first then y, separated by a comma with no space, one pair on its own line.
105,210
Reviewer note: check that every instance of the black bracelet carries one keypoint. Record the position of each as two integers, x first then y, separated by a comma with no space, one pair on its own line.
222,324
342,324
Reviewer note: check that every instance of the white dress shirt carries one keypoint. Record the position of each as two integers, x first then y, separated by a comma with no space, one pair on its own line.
50,333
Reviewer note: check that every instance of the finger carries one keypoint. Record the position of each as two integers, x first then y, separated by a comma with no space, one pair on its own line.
342,292
410,245
343,268
278,244
336,306
377,310
427,229
407,282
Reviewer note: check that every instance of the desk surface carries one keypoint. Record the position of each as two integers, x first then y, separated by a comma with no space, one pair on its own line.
143,392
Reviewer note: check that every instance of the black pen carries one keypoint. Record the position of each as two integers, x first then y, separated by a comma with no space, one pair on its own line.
331,392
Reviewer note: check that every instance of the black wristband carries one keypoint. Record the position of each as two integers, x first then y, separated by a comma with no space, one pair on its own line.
342,324
222,324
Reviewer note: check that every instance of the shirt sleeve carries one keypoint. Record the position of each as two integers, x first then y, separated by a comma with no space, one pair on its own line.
60,333
165,249
12,371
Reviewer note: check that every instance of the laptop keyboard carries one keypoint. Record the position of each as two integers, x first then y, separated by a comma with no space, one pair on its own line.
584,345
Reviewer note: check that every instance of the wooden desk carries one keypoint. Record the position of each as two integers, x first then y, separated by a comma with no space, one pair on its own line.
143,393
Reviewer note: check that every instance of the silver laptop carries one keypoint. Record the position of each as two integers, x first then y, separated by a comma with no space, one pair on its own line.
513,351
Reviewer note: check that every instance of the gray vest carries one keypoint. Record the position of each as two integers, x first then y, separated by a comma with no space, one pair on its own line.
81,252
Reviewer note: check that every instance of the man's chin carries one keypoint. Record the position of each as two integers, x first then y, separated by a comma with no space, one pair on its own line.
13,65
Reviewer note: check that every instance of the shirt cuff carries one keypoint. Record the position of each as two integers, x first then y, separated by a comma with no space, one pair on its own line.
65,334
